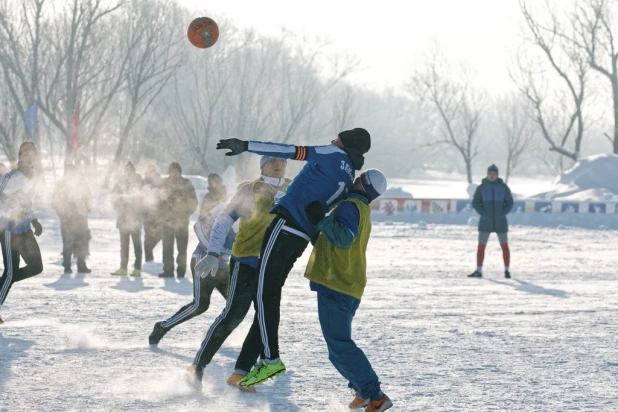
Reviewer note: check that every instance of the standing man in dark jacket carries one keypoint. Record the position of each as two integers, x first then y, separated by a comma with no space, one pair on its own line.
72,202
216,195
493,201
178,203
151,191
127,201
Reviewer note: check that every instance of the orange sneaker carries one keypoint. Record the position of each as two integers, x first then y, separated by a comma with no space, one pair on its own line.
380,405
358,402
234,380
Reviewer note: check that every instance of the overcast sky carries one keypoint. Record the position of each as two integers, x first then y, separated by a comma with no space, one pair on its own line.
391,35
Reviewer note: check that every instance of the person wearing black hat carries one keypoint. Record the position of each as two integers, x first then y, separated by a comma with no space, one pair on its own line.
326,178
217,194
127,201
493,201
177,204
17,219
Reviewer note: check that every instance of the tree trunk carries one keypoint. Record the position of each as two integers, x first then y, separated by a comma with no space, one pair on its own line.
615,96
469,169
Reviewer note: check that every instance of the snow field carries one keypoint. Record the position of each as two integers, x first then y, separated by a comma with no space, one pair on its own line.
542,341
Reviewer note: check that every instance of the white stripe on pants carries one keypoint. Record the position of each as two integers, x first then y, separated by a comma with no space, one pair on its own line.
196,302
263,263
9,266
228,305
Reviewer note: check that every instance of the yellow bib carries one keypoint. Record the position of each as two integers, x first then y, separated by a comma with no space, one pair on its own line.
251,231
343,270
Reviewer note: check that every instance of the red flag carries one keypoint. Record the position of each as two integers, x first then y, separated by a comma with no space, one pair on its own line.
75,129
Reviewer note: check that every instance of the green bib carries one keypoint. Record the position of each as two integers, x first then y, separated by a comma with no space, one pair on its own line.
343,270
251,231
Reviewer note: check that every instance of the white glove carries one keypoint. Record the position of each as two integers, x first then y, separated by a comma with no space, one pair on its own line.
207,265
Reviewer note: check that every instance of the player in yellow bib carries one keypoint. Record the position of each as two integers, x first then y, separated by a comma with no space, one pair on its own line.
337,271
258,196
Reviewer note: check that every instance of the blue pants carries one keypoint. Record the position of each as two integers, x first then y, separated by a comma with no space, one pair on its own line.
336,311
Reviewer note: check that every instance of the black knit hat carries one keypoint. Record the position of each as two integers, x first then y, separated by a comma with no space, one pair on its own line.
175,165
358,139
492,168
215,177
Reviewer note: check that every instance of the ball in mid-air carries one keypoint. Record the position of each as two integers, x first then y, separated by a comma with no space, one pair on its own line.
203,32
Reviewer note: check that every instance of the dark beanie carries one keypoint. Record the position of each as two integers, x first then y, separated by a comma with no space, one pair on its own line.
358,139
492,168
27,146
175,165
215,177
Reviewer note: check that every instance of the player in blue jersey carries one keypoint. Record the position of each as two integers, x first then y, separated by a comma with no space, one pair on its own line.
17,219
325,178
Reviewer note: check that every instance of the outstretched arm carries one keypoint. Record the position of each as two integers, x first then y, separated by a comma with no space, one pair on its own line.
286,151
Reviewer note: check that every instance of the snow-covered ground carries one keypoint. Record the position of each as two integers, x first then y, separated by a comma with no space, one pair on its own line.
542,341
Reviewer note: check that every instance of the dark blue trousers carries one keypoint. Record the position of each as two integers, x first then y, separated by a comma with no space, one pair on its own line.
336,311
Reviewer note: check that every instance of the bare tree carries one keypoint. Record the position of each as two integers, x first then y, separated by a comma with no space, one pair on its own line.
558,111
67,58
11,130
153,56
459,107
305,76
517,131
344,106
595,34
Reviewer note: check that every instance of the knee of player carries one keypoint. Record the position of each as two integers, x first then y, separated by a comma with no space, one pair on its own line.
37,267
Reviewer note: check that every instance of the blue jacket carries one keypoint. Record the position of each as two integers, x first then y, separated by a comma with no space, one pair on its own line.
326,177
493,201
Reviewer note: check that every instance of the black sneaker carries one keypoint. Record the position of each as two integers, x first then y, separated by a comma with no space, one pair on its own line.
157,334
476,274
166,275
84,270
67,271
507,274
195,374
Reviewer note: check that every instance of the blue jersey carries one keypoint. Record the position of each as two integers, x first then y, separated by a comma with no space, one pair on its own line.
326,177
16,193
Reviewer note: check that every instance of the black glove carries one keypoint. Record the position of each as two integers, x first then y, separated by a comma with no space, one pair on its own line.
236,146
315,212
38,229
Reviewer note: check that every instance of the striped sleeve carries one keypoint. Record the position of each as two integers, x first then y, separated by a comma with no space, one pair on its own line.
288,151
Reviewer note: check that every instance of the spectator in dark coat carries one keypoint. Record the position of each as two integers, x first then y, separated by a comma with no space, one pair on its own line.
493,201
127,201
151,198
178,202
217,194
72,201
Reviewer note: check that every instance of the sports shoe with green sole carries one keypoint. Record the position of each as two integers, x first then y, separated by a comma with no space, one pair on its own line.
136,272
120,272
262,373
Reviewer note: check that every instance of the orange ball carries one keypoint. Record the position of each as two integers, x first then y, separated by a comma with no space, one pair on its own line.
203,32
